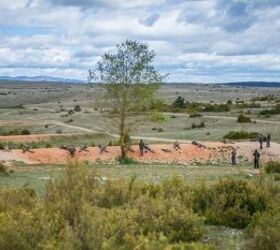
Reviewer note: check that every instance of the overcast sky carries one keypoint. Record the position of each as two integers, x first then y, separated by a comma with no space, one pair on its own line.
194,40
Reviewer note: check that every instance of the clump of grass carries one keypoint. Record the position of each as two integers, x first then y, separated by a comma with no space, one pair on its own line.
272,167
126,160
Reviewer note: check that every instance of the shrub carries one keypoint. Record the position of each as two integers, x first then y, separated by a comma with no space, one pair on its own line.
193,115
272,167
3,170
179,102
230,202
272,111
265,230
238,135
126,160
217,108
2,147
77,108
25,132
243,119
200,125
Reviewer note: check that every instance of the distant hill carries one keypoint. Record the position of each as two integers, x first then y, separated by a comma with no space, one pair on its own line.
254,84
40,79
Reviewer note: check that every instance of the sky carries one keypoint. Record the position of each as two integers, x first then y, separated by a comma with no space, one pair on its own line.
194,40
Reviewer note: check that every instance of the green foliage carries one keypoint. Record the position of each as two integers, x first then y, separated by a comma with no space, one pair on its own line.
77,108
217,108
129,82
200,125
194,115
126,160
16,132
238,135
265,230
157,117
80,210
230,202
179,103
265,98
243,119
3,170
272,167
272,111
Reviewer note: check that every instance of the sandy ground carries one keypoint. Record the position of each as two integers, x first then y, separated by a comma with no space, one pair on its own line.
213,152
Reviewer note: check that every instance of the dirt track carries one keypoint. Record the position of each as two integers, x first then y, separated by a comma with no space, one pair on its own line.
214,152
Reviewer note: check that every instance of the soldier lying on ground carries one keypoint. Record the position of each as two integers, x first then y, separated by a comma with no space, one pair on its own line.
84,148
26,148
198,144
148,149
72,150
176,145
103,148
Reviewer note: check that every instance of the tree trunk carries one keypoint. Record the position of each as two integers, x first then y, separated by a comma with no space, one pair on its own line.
123,149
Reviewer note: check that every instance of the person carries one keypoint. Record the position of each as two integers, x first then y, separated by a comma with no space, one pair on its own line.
26,148
268,139
103,148
83,148
72,150
176,145
261,141
233,157
256,155
141,147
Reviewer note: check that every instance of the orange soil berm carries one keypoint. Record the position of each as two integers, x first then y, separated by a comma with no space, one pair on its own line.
164,153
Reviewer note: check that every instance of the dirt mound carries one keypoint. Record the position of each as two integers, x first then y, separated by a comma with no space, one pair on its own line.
212,152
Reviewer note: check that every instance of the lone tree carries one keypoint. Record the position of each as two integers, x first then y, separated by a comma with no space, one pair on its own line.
128,81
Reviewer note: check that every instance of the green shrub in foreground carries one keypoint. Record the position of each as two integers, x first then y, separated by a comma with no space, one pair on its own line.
272,167
230,202
265,230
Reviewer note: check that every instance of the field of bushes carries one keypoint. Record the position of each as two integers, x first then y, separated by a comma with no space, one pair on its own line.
81,210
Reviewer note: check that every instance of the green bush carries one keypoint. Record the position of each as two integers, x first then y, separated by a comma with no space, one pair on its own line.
194,115
238,135
200,125
265,230
126,160
272,167
243,119
25,132
273,111
217,108
2,147
230,202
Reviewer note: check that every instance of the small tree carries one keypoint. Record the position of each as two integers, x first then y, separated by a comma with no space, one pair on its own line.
128,81
179,102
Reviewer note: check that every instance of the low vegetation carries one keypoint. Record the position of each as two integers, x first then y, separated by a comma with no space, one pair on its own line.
243,119
239,135
81,210
272,167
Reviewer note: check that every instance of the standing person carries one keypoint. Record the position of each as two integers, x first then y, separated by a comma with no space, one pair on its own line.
261,141
268,139
233,157
141,147
256,159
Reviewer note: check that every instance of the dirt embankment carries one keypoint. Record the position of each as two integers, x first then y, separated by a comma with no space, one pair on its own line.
213,152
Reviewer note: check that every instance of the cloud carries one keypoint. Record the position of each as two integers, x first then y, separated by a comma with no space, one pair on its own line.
150,20
211,40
